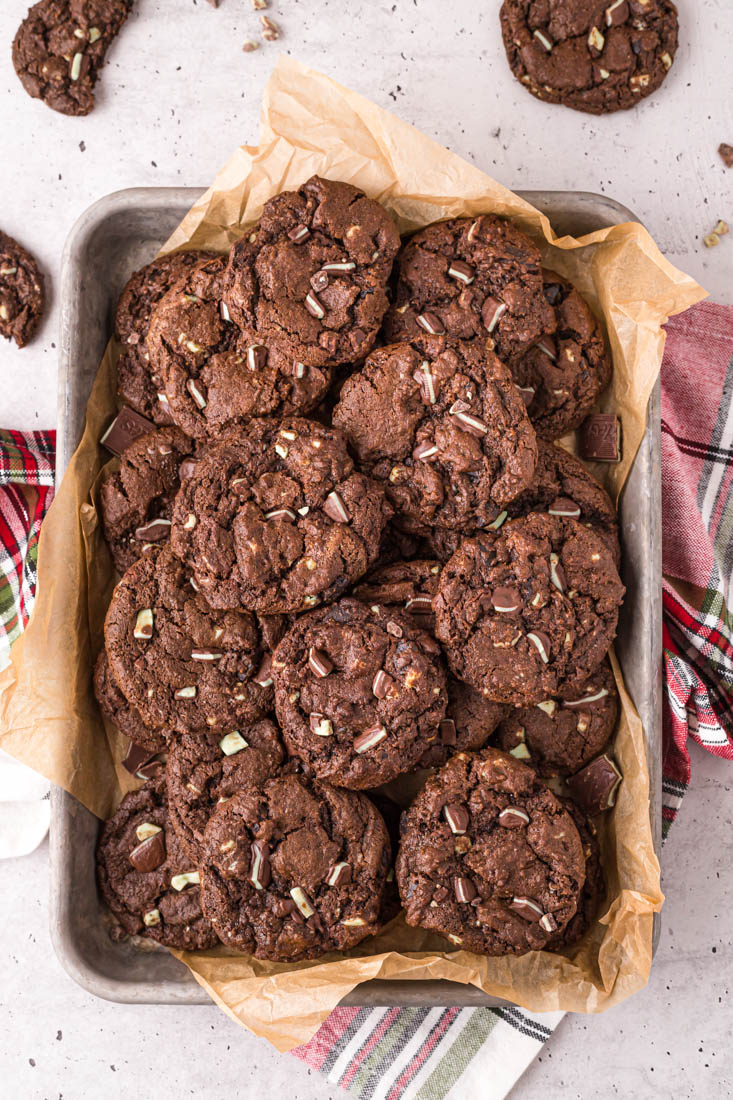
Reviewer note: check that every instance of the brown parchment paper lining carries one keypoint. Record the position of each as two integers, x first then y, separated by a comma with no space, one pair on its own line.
48,717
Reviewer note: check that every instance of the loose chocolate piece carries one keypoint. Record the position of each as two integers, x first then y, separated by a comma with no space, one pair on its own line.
594,788
22,295
135,757
126,427
726,154
600,438
150,770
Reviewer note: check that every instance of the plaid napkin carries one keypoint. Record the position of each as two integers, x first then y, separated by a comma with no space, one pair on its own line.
432,1054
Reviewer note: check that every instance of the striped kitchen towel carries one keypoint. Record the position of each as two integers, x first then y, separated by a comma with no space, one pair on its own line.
27,468
432,1054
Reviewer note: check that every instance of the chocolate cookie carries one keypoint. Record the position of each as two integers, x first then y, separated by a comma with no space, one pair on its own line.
409,585
561,486
295,869
60,48
205,769
559,737
214,378
22,292
470,719
443,427
310,278
563,374
136,501
489,857
276,519
592,55
359,691
594,887
182,664
530,613
137,383
471,278
146,877
116,709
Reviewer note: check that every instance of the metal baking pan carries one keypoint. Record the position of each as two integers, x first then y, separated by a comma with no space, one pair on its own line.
114,237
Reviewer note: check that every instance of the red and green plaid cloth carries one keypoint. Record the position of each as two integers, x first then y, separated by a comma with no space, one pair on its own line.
431,1054
27,469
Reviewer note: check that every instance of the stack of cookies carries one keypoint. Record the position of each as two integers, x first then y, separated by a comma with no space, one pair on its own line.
350,550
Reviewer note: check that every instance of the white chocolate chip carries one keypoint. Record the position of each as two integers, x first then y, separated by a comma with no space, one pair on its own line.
151,918
146,830
144,624
300,898
232,743
188,878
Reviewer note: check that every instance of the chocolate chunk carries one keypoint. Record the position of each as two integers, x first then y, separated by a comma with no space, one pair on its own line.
135,757
319,663
726,154
126,427
513,818
505,599
594,788
464,889
457,818
381,684
527,909
600,438
447,730
149,854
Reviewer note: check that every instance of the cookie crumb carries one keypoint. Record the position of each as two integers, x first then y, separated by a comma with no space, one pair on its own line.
250,46
270,30
726,154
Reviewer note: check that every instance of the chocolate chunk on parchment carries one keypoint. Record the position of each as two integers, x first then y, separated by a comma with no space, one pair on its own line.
600,438
594,788
126,427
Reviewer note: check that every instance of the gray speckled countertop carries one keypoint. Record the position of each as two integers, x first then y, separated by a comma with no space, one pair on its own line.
177,96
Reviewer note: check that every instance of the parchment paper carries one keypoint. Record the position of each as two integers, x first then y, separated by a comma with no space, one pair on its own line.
48,718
